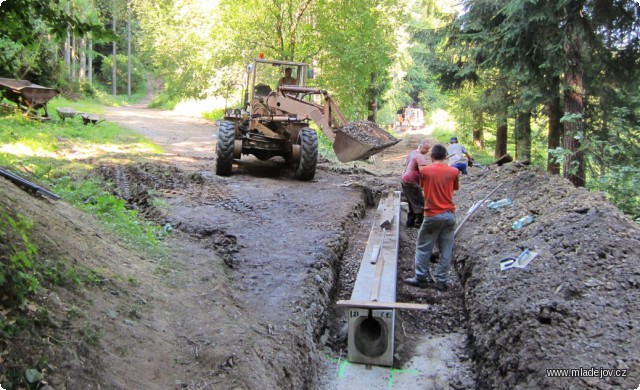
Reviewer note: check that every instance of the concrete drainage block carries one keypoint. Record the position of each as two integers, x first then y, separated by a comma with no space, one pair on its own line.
371,336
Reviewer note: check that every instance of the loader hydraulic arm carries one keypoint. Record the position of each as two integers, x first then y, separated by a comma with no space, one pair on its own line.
351,141
328,116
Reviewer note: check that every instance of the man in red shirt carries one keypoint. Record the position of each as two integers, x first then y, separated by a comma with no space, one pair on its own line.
438,182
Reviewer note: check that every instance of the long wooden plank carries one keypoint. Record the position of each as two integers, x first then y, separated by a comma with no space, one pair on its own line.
377,279
383,305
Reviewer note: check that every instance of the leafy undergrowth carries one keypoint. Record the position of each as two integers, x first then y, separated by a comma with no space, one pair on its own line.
26,317
58,156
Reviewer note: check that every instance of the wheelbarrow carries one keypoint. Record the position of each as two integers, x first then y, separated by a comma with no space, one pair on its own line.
66,112
90,118
28,96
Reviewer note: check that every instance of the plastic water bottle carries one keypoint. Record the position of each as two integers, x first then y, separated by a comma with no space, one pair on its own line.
524,221
499,203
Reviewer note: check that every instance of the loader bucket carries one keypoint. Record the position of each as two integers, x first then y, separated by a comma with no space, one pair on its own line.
361,139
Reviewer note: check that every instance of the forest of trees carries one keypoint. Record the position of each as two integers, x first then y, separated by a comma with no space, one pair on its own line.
555,82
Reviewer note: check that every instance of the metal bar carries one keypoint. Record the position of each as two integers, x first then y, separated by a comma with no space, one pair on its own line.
26,183
475,207
299,89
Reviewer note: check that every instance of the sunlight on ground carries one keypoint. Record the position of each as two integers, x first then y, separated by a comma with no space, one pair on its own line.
196,108
26,150
81,152
396,157
440,119
76,151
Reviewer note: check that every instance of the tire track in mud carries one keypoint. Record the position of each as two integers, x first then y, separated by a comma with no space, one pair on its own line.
285,249
139,184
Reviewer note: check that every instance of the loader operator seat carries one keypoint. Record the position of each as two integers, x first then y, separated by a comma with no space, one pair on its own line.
262,90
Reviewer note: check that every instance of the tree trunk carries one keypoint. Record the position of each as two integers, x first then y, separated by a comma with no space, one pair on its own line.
523,136
67,48
74,57
478,129
83,60
128,49
372,99
573,168
373,110
501,132
554,133
574,94
603,136
90,62
114,76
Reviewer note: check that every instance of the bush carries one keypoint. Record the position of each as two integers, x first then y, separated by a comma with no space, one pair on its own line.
218,113
18,277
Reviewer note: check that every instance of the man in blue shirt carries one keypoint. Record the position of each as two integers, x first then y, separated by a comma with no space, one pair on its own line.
456,153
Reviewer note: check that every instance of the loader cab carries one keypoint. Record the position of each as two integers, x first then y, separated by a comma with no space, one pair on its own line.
264,75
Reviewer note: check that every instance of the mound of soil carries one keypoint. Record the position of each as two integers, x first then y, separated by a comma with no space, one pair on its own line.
575,306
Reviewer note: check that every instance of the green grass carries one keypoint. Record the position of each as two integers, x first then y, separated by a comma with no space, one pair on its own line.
61,156
325,147
27,139
215,114
80,106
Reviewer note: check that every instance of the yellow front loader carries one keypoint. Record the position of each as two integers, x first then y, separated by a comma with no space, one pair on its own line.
276,123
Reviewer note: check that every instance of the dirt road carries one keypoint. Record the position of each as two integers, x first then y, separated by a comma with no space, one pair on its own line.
290,249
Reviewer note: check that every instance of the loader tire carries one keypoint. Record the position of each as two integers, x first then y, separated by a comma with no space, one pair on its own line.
224,148
308,141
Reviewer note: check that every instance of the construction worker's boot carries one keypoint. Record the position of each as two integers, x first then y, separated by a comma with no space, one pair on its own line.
411,219
418,221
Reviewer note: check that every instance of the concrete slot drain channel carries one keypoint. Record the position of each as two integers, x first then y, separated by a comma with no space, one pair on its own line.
371,309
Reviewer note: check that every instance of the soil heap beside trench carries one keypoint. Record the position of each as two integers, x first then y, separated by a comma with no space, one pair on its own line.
575,306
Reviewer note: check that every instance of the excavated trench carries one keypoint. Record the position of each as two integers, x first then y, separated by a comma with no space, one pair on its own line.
292,253
281,250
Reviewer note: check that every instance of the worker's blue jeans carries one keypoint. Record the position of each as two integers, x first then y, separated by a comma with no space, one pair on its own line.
461,166
437,229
